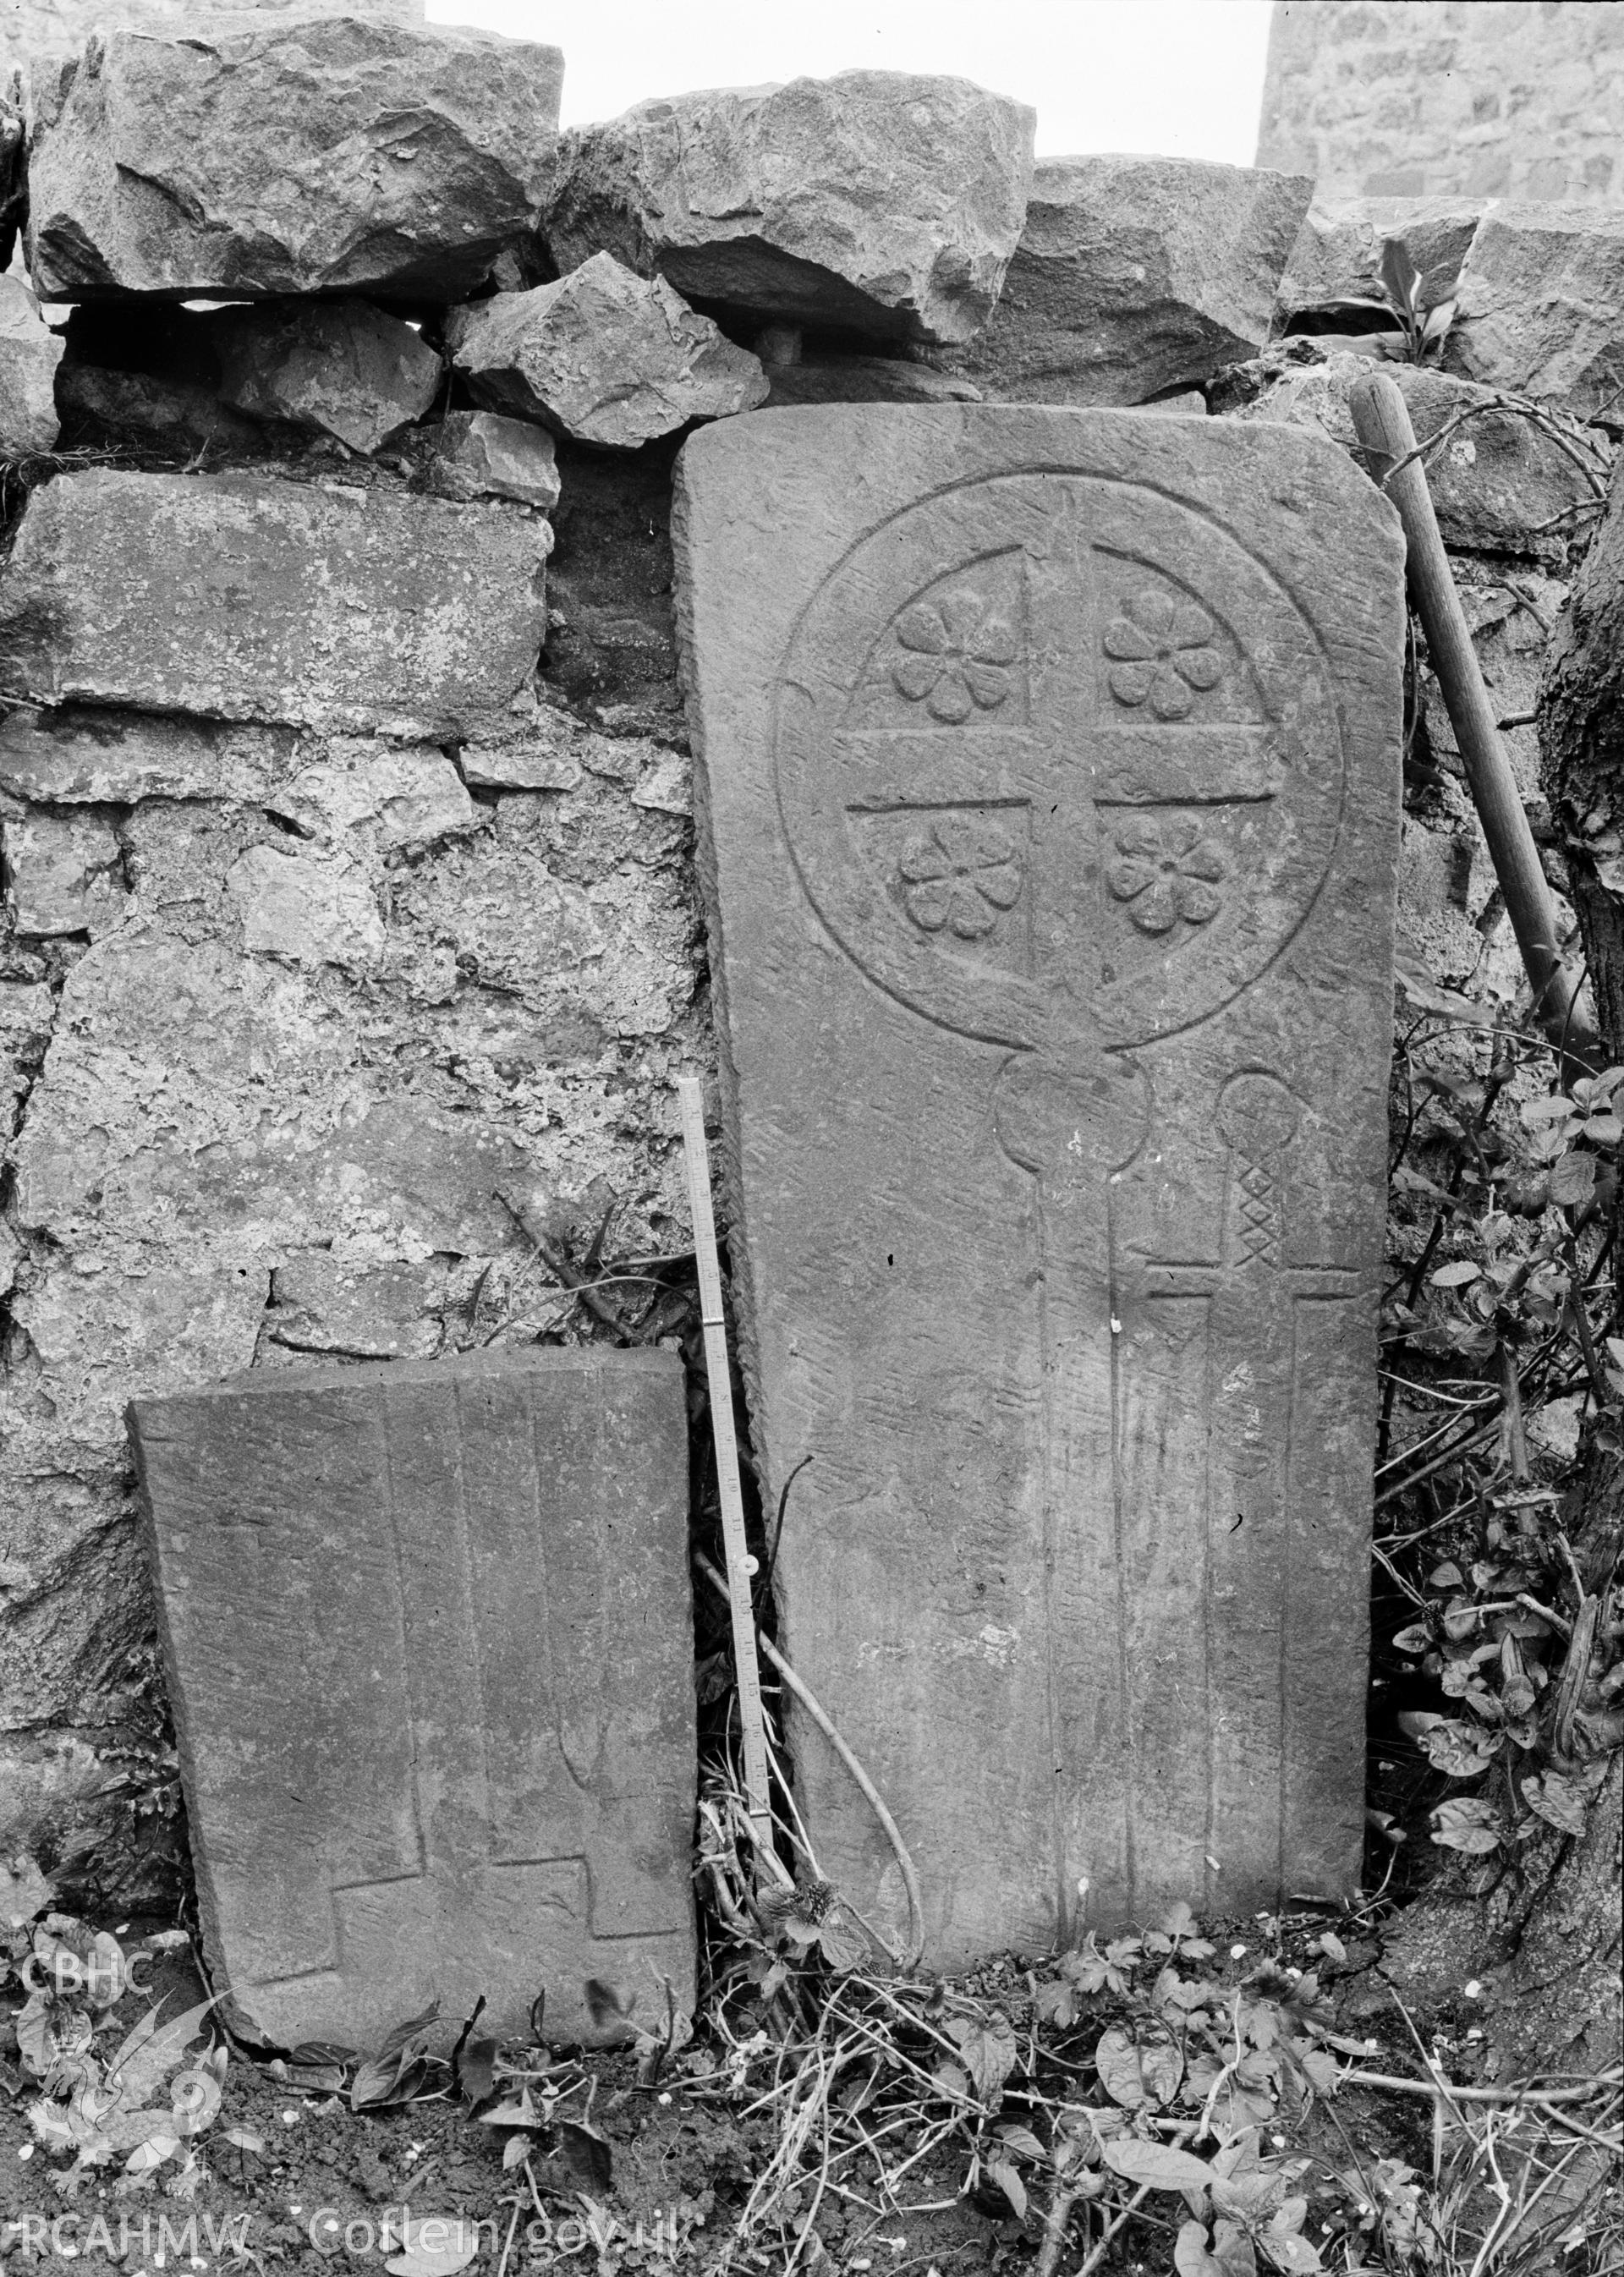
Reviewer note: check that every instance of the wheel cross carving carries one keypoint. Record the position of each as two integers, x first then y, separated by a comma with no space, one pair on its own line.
1038,694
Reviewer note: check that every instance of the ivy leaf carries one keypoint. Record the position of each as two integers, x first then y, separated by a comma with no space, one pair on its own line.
1290,2250
1009,2180
1248,2194
40,2027
1230,2255
841,1941
1094,1971
988,2046
1261,2022
518,2112
1573,1180
1247,2101
1057,2003
1460,1619
1464,1825
1171,1992
1456,1276
1157,2165
1139,2072
1556,1801
1461,1750
24,1892
395,2073
1180,1926
475,2071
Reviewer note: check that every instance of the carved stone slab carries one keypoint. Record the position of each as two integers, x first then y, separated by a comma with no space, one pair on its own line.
1050,782
430,1646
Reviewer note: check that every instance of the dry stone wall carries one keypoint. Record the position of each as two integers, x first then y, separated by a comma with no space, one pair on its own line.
1492,98
350,933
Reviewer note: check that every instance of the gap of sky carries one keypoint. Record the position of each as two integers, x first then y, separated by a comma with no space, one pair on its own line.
1182,78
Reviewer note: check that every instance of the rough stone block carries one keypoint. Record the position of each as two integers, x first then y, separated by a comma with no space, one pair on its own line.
62,874
1435,919
1509,608
875,201
100,1335
341,367
312,907
366,1312
74,755
316,1157
1500,483
270,154
524,763
428,1642
29,354
603,354
1135,275
1338,248
1049,770
1541,305
249,598
480,454
396,800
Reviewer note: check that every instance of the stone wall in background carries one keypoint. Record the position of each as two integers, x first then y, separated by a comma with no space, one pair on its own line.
1495,98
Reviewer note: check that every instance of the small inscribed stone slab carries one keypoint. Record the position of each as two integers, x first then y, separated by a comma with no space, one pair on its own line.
1051,782
430,1645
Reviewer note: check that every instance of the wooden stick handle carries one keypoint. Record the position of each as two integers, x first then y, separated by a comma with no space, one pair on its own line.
1382,420
746,1667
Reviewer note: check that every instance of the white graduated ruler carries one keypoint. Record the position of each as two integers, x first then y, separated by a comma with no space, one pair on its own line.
746,1667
